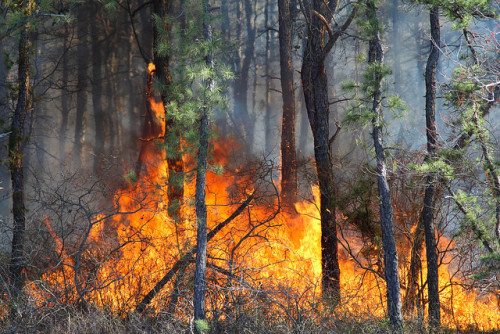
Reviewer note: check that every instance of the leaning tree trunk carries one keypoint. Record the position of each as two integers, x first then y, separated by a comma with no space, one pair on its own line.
16,139
288,152
315,87
428,211
376,58
200,285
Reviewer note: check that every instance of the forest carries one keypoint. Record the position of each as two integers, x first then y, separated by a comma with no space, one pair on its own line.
238,166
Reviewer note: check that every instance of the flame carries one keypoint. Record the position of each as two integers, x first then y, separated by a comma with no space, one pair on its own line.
133,249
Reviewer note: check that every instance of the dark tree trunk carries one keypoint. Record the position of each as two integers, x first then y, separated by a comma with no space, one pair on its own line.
268,123
97,94
428,211
81,98
376,56
288,151
200,285
16,139
315,87
411,297
65,100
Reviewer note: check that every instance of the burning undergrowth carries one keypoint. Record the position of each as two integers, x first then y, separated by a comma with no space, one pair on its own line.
130,249
139,258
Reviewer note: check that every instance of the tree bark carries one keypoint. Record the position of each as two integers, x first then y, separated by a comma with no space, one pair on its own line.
315,87
428,211
200,284
376,57
16,153
288,151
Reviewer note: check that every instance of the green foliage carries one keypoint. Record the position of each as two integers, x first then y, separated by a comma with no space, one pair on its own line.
367,21
397,105
473,215
358,113
462,12
201,325
490,267
464,89
111,6
217,169
373,77
131,177
435,166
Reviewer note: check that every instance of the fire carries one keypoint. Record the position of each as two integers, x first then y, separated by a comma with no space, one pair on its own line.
260,249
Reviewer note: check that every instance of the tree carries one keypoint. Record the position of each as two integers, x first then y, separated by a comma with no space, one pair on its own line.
16,144
81,100
428,211
200,284
315,88
242,72
373,88
288,152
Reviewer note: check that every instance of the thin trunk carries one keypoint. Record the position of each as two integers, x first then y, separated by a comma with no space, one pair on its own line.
491,172
376,56
288,151
81,99
268,116
65,100
16,138
428,211
489,165
200,285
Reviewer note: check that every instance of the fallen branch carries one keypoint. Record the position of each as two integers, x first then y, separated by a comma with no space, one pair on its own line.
185,260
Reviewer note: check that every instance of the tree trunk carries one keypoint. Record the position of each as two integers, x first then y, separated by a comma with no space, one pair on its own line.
81,99
200,285
376,56
65,100
315,87
268,123
16,139
288,151
428,211
410,300
97,94
241,90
